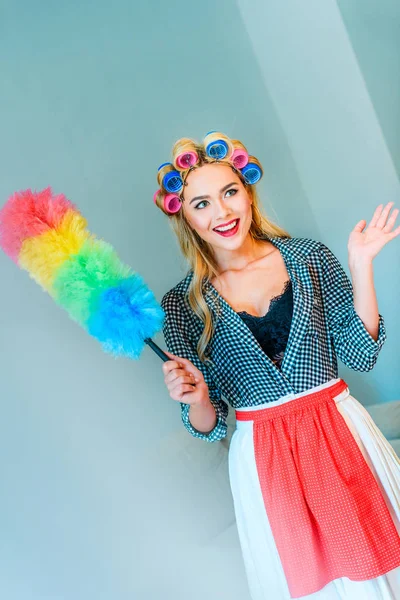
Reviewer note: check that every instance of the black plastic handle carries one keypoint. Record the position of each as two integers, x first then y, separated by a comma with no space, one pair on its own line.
157,349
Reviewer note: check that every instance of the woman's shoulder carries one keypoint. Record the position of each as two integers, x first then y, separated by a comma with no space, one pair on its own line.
174,299
299,247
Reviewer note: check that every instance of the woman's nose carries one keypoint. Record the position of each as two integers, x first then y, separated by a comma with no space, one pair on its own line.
222,209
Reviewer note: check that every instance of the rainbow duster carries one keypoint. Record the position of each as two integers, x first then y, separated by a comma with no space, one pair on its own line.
46,235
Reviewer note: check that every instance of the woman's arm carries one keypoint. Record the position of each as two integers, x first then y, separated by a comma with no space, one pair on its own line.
356,328
364,244
352,341
207,421
365,302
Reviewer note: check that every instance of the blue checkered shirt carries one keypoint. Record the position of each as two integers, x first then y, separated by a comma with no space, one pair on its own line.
324,327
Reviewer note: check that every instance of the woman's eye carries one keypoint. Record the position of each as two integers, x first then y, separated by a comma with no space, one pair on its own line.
200,203
204,203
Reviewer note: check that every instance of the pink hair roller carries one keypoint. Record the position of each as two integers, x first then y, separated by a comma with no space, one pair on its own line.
172,203
155,196
240,158
187,159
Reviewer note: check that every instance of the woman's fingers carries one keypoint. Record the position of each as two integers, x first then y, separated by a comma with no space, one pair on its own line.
172,356
394,233
170,366
186,364
177,379
180,387
184,381
183,363
381,222
391,221
179,374
360,226
172,369
376,216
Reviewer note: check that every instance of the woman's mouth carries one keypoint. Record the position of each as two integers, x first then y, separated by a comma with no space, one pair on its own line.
229,229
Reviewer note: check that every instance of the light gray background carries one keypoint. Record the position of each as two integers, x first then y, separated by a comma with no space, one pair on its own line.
103,493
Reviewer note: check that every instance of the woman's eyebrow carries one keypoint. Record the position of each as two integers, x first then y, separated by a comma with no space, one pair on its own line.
221,191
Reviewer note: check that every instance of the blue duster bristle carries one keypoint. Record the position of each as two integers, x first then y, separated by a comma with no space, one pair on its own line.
126,315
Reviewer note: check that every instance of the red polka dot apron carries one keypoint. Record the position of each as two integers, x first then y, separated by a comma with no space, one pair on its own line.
327,515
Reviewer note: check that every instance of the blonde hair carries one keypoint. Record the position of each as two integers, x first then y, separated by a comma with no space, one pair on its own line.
197,252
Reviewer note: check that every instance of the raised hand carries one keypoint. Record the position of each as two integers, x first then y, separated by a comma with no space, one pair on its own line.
366,242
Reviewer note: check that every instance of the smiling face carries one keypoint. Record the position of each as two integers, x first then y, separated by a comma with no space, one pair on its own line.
217,206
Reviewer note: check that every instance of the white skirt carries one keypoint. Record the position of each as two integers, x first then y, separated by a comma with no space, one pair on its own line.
264,563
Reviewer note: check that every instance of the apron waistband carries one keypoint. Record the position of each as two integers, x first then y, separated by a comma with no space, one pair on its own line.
321,395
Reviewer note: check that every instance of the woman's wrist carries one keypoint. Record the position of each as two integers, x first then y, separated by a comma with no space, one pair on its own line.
202,415
365,301
359,265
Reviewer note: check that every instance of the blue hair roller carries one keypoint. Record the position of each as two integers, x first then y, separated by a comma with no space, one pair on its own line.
217,149
252,173
163,165
172,182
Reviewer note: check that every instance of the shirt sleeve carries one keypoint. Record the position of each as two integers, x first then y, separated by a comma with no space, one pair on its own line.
353,344
176,329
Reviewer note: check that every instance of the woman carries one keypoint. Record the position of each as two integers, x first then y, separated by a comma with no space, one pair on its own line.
260,320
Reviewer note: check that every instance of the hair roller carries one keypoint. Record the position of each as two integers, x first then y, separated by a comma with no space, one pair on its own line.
217,145
172,182
252,173
162,167
172,203
186,160
156,196
239,157
185,154
162,170
169,178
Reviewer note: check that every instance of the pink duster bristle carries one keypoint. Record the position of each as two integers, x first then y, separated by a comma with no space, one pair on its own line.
28,214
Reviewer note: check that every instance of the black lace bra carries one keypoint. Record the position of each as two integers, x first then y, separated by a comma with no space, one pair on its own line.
272,329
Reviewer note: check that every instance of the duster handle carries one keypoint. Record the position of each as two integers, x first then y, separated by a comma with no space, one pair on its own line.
156,349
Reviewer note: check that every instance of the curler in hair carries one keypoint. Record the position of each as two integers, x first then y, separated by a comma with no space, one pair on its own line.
217,149
172,182
166,164
252,173
155,196
186,160
172,203
239,158
217,145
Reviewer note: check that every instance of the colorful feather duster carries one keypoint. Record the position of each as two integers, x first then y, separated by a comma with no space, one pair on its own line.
46,235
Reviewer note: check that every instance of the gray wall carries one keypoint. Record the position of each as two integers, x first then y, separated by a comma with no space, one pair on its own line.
104,494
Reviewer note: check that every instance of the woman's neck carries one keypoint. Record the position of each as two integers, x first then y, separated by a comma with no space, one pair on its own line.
251,251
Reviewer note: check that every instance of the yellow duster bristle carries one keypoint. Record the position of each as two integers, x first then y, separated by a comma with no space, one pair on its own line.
42,255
